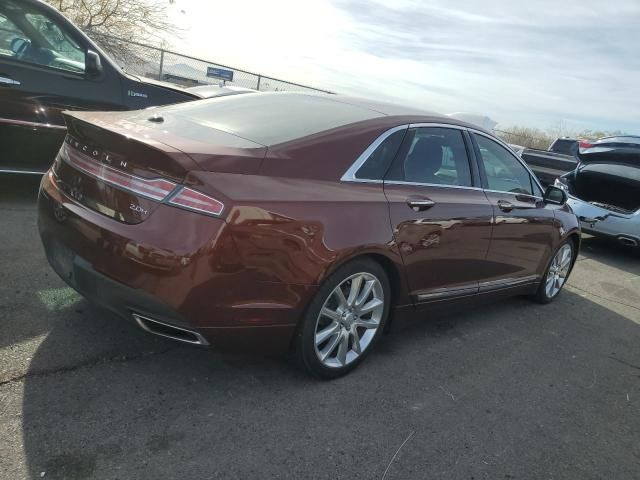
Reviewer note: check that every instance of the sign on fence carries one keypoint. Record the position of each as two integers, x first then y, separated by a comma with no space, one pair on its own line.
220,73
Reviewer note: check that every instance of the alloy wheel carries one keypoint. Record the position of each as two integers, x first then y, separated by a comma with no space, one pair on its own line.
558,270
349,319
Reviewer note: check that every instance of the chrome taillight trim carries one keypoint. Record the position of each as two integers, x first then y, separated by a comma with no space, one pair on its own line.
144,187
157,189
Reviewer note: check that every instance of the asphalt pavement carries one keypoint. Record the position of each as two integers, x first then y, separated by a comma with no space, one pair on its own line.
509,390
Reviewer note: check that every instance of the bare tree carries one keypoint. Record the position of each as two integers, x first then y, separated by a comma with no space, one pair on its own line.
541,140
109,22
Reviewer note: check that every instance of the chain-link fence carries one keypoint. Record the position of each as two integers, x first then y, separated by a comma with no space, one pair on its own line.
161,64
184,70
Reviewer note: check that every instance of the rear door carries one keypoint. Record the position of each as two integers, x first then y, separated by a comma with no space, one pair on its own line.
525,227
42,73
440,216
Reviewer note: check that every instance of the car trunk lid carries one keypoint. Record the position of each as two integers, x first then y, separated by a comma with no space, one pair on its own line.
123,165
612,186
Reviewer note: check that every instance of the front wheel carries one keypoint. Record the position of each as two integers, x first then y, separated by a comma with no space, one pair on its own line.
556,274
345,319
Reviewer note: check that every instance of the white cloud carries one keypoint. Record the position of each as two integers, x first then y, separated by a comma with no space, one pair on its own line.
535,63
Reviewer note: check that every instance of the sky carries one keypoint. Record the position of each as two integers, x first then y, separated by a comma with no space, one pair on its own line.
572,64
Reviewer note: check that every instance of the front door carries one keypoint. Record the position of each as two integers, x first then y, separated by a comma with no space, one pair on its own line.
525,226
440,216
42,73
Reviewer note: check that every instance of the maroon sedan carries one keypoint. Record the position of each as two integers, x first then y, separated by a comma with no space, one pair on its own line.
279,222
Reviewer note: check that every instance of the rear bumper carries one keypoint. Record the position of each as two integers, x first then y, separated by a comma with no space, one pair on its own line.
600,221
186,277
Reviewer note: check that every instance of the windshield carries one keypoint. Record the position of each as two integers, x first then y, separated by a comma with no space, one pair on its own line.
29,35
61,42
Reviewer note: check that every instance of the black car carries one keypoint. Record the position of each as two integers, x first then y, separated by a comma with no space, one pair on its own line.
565,146
47,65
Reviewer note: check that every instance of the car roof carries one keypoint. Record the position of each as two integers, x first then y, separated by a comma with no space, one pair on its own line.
271,118
632,138
381,107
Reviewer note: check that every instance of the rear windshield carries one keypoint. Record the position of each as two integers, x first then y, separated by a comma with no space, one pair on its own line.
565,146
270,118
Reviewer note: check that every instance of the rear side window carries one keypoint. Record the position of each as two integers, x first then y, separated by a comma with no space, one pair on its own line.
375,167
434,155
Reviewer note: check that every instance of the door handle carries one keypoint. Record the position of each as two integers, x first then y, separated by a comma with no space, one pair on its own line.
9,81
420,204
526,199
505,206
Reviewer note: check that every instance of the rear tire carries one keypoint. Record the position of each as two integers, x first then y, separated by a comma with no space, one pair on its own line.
557,273
344,320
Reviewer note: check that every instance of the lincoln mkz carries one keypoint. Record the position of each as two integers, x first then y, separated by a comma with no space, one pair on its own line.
295,223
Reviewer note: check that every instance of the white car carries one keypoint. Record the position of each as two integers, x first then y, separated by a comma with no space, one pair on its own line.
604,189
209,91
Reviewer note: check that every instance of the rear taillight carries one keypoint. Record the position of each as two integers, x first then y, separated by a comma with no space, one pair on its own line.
196,201
153,188
584,144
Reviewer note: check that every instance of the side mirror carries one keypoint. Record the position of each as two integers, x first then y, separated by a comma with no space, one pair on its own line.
555,195
93,64
18,45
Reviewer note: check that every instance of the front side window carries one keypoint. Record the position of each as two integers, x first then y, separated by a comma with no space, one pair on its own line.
27,35
503,171
9,31
436,156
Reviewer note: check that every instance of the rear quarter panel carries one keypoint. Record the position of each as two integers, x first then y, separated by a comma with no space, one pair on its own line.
297,231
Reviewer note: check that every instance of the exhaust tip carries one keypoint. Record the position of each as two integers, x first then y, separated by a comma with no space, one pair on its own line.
628,241
169,331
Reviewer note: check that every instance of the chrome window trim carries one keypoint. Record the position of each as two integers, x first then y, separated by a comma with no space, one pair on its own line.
350,174
25,123
437,125
511,152
535,197
418,184
23,172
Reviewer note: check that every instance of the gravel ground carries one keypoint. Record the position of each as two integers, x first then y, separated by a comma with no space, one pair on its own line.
510,390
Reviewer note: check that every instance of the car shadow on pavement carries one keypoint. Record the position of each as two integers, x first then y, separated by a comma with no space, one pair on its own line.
21,260
611,253
506,390
19,189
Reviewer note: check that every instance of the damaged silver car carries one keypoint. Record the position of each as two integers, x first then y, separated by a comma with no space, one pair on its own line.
604,189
